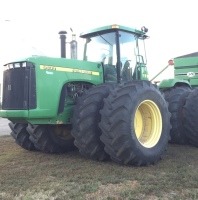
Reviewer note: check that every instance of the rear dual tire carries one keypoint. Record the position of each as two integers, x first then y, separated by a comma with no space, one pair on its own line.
51,138
135,124
21,136
85,121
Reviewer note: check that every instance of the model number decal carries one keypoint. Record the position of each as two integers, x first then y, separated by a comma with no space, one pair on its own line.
47,67
62,69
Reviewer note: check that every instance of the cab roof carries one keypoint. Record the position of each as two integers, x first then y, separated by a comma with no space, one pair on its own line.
110,28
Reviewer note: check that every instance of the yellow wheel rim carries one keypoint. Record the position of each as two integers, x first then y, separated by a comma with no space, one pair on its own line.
148,123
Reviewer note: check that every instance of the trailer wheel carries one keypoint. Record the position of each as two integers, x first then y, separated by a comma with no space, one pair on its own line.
176,98
21,136
51,138
191,117
85,121
135,124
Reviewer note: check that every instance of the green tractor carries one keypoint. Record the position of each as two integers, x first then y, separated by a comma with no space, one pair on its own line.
182,95
104,104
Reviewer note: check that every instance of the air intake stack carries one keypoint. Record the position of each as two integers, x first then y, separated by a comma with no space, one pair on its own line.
73,47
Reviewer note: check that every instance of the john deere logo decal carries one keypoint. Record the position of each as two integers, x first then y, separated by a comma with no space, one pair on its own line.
63,69
191,74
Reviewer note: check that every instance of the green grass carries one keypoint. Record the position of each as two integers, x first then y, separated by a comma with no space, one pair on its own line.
35,175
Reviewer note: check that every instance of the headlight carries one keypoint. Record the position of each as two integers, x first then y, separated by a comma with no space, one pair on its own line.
24,64
17,65
11,66
6,67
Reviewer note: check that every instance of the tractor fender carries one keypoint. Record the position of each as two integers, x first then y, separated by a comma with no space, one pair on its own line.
168,83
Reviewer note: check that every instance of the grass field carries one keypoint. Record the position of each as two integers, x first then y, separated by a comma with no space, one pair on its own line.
38,176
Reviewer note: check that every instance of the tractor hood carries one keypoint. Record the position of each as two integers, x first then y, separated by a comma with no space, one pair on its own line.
74,69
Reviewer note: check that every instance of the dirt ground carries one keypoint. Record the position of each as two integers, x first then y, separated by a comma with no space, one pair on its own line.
4,128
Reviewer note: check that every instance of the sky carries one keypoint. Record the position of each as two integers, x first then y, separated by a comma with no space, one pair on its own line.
30,27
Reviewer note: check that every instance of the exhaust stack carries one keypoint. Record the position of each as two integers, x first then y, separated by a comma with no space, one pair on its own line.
63,43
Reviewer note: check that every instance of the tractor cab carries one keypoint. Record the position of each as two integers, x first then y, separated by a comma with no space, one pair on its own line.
120,50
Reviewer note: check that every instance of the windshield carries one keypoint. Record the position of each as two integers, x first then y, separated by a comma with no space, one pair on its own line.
101,49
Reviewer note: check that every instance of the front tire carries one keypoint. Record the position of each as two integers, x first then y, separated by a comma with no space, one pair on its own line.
135,124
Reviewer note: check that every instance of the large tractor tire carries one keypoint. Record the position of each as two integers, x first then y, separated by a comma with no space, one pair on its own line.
51,138
135,124
85,121
190,121
176,98
21,136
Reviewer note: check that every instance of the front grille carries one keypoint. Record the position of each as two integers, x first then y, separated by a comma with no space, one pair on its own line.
19,87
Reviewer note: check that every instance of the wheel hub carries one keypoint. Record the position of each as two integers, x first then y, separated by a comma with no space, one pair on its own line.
148,123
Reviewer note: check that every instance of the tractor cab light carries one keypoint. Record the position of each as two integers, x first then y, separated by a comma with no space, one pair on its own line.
144,29
115,26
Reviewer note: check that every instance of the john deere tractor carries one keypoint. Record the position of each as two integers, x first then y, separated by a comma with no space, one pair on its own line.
104,104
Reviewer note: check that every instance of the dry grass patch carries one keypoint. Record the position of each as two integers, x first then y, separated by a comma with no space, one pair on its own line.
112,190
